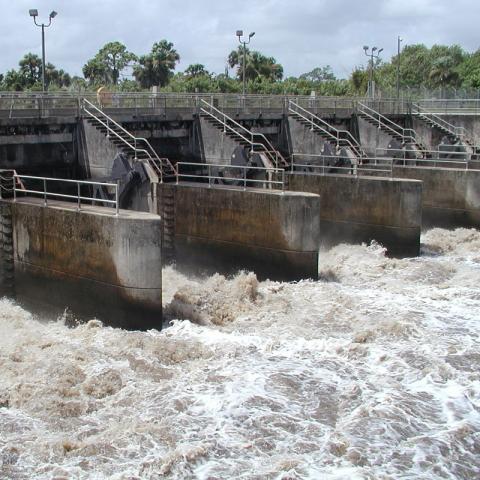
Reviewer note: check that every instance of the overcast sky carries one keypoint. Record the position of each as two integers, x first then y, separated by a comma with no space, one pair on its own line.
300,34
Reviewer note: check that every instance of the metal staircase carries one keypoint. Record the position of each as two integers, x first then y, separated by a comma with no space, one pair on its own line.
339,138
407,136
137,148
459,134
256,142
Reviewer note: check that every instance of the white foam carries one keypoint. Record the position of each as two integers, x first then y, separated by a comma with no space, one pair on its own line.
369,373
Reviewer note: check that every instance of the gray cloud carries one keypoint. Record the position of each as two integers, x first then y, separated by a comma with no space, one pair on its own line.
300,34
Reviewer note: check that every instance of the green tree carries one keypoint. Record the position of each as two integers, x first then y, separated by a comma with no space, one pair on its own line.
14,81
156,68
469,70
196,70
56,78
445,66
31,69
319,74
108,63
95,72
359,81
256,65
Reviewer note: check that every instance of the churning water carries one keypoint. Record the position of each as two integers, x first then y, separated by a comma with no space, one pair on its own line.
370,373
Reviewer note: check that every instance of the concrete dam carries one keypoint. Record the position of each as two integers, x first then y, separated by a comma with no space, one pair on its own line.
98,196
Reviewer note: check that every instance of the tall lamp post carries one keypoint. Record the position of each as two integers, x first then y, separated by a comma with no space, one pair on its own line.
244,43
34,13
399,40
372,55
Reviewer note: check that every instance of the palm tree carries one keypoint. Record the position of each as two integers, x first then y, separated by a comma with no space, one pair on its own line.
196,70
443,72
31,68
157,67
257,65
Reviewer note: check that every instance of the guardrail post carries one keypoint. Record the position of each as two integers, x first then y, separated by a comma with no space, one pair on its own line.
244,179
135,147
14,188
78,197
209,172
117,188
45,191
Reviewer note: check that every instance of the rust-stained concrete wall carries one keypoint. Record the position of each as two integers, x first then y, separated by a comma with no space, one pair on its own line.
92,262
361,209
451,197
226,229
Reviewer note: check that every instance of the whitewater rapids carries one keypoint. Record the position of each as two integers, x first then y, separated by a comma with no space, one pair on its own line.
373,372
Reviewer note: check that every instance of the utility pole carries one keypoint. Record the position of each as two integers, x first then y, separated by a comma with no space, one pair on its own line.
400,39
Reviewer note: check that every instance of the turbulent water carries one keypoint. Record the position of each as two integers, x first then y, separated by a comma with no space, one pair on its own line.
370,373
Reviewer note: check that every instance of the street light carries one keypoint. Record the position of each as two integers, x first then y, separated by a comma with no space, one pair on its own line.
34,13
244,43
400,39
372,55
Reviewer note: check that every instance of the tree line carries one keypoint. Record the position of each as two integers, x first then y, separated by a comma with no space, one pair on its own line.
440,66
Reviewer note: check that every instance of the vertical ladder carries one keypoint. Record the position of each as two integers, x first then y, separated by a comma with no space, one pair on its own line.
167,212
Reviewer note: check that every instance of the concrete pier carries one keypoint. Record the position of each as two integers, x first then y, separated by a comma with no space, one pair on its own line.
226,229
451,197
361,209
92,262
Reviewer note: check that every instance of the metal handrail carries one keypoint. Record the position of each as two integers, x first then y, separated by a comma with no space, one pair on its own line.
432,159
355,146
453,129
270,172
71,100
45,193
440,152
388,124
377,166
273,154
149,152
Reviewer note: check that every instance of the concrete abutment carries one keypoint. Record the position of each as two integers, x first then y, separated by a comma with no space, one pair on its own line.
92,262
227,229
362,209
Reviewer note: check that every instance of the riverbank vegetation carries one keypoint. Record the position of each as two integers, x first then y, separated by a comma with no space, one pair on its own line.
448,70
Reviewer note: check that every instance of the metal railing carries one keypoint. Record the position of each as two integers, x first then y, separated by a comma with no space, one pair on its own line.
322,165
18,186
159,165
37,104
435,158
333,133
458,132
408,135
258,142
213,174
